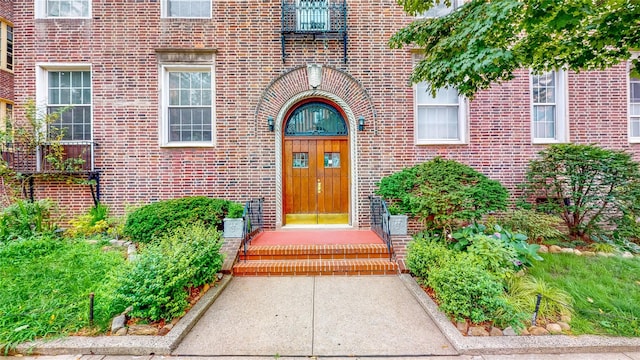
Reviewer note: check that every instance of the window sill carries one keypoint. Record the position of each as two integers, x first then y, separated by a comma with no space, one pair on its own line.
441,142
634,140
190,144
548,141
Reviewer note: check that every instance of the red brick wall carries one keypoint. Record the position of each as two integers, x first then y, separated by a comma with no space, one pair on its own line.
120,42
6,77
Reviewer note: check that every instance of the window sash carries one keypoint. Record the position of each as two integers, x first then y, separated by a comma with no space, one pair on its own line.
312,15
440,10
546,93
188,8
68,8
188,106
438,119
634,107
69,93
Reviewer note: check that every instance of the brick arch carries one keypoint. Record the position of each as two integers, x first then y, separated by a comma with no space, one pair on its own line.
334,81
337,87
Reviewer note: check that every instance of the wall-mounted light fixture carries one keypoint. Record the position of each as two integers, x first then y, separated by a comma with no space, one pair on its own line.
361,123
270,122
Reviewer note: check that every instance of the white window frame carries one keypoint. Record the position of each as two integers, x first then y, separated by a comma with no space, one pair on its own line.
462,121
4,64
42,89
4,103
41,11
164,105
165,12
560,113
632,138
455,4
308,12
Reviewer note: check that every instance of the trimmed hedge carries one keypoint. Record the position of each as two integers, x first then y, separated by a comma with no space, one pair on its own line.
150,221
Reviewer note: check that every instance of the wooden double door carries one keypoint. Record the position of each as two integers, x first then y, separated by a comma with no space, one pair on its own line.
316,180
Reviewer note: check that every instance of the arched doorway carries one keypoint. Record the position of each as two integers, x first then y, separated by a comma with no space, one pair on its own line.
315,164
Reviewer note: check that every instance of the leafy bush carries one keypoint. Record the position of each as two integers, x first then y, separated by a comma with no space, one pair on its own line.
525,253
96,221
25,219
494,255
151,221
156,283
443,193
424,254
587,186
465,289
537,226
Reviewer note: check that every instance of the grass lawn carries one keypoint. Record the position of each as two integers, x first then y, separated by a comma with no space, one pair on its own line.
45,285
606,291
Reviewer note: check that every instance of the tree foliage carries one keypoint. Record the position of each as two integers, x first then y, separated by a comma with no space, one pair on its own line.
587,186
485,41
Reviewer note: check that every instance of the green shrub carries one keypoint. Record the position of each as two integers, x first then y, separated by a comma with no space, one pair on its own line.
589,187
25,219
465,289
424,254
443,193
153,220
96,221
494,255
156,283
537,226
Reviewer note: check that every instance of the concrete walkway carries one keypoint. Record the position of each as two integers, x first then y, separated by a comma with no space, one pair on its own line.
315,316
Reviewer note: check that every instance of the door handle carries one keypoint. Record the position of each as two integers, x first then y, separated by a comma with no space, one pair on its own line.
319,186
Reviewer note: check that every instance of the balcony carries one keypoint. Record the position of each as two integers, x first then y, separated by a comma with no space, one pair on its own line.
69,157
324,19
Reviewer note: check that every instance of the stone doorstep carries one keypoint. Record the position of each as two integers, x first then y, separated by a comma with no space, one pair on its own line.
315,267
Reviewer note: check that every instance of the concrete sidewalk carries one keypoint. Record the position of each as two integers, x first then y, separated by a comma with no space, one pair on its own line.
316,316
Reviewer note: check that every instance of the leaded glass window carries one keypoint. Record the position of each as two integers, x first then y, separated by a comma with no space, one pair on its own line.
314,119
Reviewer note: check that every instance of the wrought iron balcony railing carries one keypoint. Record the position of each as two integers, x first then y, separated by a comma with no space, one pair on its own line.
326,19
71,157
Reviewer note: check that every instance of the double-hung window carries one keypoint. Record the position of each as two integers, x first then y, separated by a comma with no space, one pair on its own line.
441,9
186,8
548,107
63,8
66,91
188,107
6,115
634,108
440,119
6,46
312,15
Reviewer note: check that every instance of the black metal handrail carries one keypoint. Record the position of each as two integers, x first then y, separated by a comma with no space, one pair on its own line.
380,219
253,219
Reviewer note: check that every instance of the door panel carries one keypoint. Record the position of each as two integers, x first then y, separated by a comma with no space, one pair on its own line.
318,192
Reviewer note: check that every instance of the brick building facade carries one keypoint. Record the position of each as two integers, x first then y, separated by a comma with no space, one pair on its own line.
145,77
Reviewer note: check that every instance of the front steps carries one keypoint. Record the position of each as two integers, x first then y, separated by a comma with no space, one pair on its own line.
315,259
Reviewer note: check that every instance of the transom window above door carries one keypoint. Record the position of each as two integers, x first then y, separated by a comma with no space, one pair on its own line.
316,118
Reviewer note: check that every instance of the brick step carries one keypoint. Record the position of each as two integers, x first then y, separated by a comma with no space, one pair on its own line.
315,251
315,267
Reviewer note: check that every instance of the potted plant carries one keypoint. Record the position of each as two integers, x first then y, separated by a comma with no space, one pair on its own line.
233,221
397,221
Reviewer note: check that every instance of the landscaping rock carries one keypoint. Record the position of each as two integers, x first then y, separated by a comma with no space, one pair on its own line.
577,252
627,255
495,331
92,242
127,310
121,332
524,332
554,249
564,326
462,326
118,323
509,332
604,254
554,328
589,253
537,331
565,319
165,330
142,330
543,249
567,250
477,331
